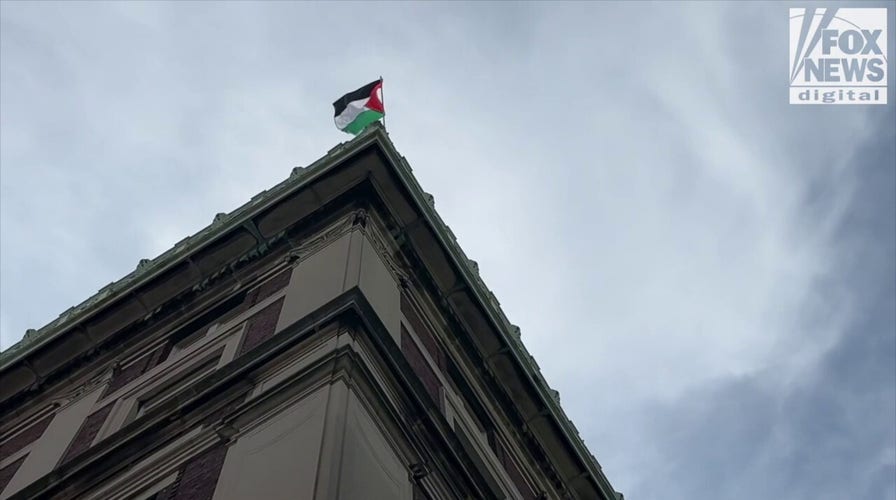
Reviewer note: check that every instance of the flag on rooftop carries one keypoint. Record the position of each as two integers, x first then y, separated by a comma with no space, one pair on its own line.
360,108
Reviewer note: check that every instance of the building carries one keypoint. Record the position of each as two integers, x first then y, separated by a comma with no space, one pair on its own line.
328,339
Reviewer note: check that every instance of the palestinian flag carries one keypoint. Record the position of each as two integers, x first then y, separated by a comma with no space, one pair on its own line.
360,108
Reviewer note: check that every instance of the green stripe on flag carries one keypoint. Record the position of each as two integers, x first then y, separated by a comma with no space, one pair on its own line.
363,119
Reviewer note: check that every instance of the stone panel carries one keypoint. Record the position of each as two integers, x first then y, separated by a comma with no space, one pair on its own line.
380,288
8,472
278,459
316,280
46,451
370,467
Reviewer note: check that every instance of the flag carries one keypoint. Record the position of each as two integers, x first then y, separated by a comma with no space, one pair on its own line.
360,108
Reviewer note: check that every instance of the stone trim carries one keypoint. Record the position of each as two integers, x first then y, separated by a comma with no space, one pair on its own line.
148,433
8,471
85,436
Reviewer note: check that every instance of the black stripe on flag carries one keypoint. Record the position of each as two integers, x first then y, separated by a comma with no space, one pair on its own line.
361,93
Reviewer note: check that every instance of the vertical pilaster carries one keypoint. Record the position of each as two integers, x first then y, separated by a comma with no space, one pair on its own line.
332,443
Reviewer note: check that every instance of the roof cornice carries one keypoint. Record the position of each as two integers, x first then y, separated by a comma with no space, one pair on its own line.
148,270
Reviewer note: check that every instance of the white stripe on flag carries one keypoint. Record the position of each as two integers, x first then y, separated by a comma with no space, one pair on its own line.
351,111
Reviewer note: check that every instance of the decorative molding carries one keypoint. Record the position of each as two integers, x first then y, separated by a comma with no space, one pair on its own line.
225,432
473,265
74,392
384,245
304,249
156,467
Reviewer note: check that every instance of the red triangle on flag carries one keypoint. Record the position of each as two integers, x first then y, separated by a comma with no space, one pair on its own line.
376,98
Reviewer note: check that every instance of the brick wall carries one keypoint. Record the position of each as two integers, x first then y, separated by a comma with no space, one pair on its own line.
9,471
86,434
198,477
268,288
510,466
427,338
261,326
420,366
24,438
134,370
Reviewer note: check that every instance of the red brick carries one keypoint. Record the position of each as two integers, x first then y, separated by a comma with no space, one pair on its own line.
266,289
421,366
24,438
9,471
158,356
273,285
88,431
261,326
510,466
423,333
165,493
199,476
134,370
517,477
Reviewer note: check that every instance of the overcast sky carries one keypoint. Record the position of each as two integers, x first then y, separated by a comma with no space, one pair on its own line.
705,272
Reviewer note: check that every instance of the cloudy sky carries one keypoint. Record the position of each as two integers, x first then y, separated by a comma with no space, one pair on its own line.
704,271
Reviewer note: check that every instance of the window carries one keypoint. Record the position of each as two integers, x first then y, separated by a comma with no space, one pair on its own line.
161,394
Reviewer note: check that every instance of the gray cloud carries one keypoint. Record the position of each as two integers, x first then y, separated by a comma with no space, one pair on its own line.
704,271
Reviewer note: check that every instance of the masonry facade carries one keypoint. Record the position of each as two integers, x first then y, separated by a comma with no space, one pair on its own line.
327,340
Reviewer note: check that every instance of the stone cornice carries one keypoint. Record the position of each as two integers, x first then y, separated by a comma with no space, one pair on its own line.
148,269
200,256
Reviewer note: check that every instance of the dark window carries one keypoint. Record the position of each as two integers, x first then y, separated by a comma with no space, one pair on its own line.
184,379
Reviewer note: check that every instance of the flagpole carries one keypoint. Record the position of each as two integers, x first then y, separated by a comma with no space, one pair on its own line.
383,98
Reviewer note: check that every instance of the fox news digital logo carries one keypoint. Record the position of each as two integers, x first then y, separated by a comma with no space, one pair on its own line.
838,56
